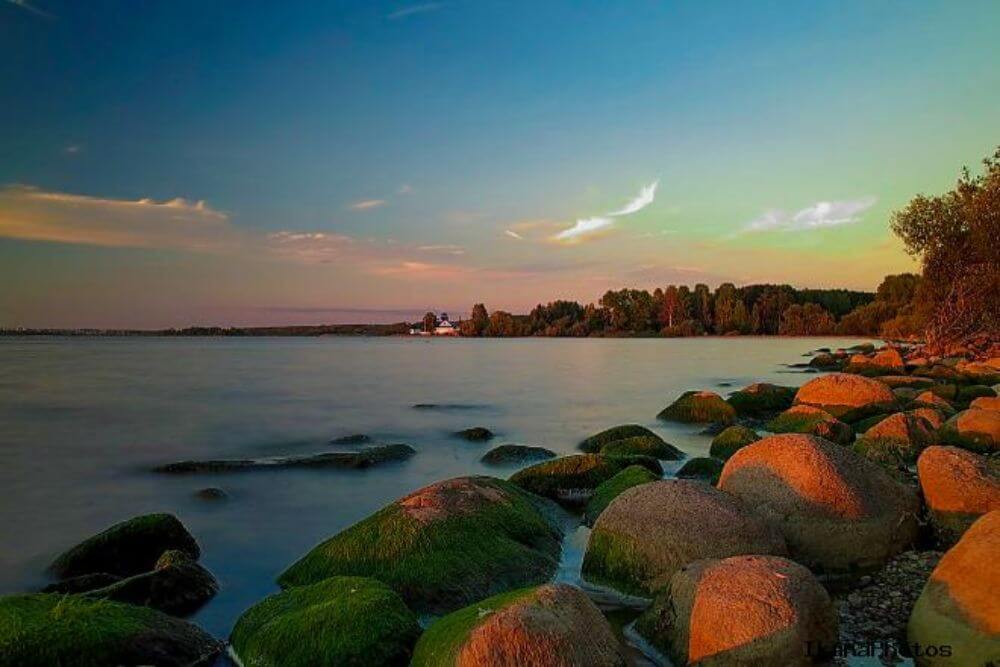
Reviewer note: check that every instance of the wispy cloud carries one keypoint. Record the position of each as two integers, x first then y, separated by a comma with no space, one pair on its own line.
73,149
589,228
29,7
367,204
447,249
413,10
645,197
405,189
816,216
514,235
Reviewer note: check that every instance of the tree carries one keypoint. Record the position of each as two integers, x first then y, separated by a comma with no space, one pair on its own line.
725,315
703,306
955,236
477,323
430,322
501,324
809,319
670,310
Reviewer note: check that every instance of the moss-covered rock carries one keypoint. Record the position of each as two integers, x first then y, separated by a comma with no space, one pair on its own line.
364,458
863,425
904,395
594,443
959,607
905,381
929,399
971,392
701,467
82,583
813,421
48,629
512,454
571,480
177,585
643,445
939,372
475,434
979,372
896,440
743,610
699,407
762,398
350,621
731,440
949,392
974,429
847,397
614,487
935,418
443,546
825,361
837,511
651,531
555,624
886,361
958,487
127,548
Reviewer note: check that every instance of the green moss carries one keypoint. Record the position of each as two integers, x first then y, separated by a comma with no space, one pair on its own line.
338,621
971,392
516,454
762,398
643,445
46,630
701,467
891,453
731,440
699,407
486,537
594,443
868,422
568,478
797,421
612,488
949,392
127,548
612,561
441,643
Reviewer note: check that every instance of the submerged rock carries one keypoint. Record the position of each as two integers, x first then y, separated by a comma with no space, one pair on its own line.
364,458
475,434
45,629
571,480
959,607
700,407
762,398
958,486
354,439
813,421
731,440
337,621
127,548
594,443
743,610
614,487
212,493
837,511
978,430
177,585
847,397
443,546
554,624
651,531
516,454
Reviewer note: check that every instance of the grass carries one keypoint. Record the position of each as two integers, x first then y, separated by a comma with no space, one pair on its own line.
442,642
612,488
594,443
447,562
351,621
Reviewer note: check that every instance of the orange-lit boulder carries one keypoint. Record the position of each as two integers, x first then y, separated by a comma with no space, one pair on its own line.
934,418
899,438
978,430
744,610
847,397
959,486
838,511
807,419
959,607
986,403
929,399
885,361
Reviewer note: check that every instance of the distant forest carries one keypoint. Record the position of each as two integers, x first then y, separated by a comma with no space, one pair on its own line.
679,310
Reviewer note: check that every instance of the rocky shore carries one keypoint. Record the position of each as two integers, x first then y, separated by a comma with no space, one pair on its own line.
854,517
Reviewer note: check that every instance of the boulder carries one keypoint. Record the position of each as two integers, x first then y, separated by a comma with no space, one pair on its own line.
885,361
364,458
932,416
337,621
904,394
82,583
978,430
443,546
838,511
651,531
937,371
905,381
127,548
762,398
699,407
731,440
701,467
971,392
211,493
897,439
594,443
810,420
177,585
979,372
958,486
929,399
846,397
513,454
743,610
959,607
47,629
353,439
551,625
986,403
643,445
614,487
571,480
824,360
475,434
948,392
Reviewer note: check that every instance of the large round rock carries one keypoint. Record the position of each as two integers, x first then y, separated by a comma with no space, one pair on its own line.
650,531
959,486
847,397
443,546
553,625
959,607
975,429
838,511
744,610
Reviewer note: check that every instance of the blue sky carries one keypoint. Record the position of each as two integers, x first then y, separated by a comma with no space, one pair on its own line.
379,154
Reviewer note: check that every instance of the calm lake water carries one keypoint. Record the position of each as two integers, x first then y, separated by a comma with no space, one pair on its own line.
82,421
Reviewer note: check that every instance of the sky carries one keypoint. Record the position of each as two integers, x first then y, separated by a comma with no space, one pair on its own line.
174,163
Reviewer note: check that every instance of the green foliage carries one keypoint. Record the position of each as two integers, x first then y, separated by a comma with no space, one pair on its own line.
338,621
612,488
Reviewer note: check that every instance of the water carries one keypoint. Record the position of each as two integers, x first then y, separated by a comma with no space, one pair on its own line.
82,420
